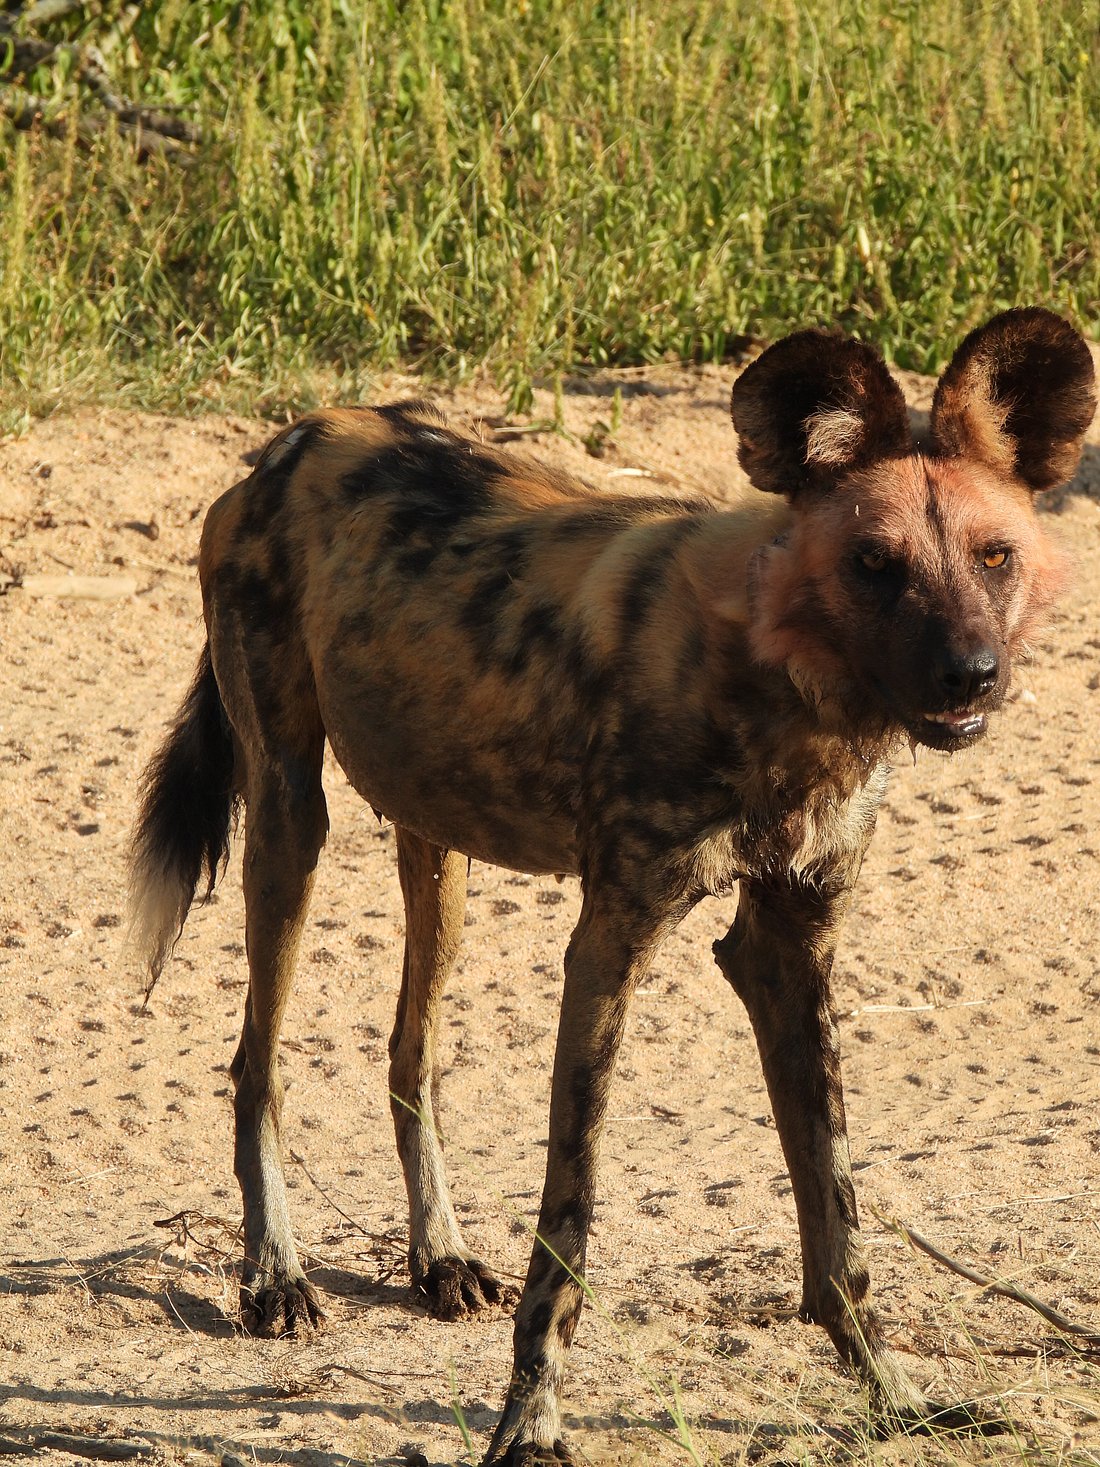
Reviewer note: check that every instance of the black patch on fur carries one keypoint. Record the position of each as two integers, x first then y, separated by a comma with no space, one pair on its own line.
692,653
186,794
410,415
539,1322
542,1261
600,514
541,625
435,488
581,1093
357,626
572,1214
263,501
266,608
436,479
686,769
648,574
587,674
859,1283
481,612
481,616
645,585
540,633
280,570
418,561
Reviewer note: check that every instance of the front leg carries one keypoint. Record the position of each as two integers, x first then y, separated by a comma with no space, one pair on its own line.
604,962
778,955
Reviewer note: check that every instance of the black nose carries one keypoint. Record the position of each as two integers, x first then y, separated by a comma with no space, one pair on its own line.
967,675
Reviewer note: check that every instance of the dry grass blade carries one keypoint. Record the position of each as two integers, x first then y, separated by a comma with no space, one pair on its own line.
1090,1338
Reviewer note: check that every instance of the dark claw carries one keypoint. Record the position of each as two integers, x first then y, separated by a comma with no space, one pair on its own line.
456,1287
290,1307
968,1418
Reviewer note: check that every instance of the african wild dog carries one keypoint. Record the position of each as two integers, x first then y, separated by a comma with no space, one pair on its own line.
664,699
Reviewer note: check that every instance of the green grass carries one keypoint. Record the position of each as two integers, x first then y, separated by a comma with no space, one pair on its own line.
532,186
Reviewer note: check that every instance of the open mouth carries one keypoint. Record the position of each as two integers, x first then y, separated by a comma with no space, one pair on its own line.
949,730
961,725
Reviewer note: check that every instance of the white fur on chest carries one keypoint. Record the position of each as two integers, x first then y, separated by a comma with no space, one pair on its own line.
805,839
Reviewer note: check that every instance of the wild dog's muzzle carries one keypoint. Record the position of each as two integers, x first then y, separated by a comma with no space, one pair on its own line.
969,682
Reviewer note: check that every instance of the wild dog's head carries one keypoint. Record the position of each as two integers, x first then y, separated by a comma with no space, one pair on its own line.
910,581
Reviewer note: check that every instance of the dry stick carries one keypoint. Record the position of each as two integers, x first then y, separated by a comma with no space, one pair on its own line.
991,1286
101,1449
93,69
379,1239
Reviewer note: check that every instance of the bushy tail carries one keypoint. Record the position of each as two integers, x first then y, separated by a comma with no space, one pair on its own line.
184,821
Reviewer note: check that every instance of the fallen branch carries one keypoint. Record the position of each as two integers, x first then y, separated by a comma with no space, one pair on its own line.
21,54
96,1448
24,110
989,1285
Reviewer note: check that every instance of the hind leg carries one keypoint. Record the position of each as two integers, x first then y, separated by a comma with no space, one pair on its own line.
433,883
285,829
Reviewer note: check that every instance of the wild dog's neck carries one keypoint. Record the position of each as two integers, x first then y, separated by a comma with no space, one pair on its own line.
718,561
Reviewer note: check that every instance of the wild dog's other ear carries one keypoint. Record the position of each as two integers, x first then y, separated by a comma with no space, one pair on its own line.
813,406
1018,396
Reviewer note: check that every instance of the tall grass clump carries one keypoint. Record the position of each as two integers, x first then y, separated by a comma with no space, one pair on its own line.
535,185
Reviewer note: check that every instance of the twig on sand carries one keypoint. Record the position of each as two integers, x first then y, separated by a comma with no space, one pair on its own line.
1081,1332
380,1240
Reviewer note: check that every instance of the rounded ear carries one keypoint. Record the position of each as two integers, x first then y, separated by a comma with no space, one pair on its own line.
1018,396
814,406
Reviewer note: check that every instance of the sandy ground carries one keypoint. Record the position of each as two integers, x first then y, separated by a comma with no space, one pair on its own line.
968,987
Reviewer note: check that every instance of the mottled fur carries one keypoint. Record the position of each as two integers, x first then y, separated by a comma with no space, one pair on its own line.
663,699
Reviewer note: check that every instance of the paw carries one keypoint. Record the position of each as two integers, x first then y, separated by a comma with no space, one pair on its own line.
456,1287
930,1418
287,1306
526,1454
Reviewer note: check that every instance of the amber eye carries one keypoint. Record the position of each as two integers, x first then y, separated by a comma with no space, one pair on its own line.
872,560
994,559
